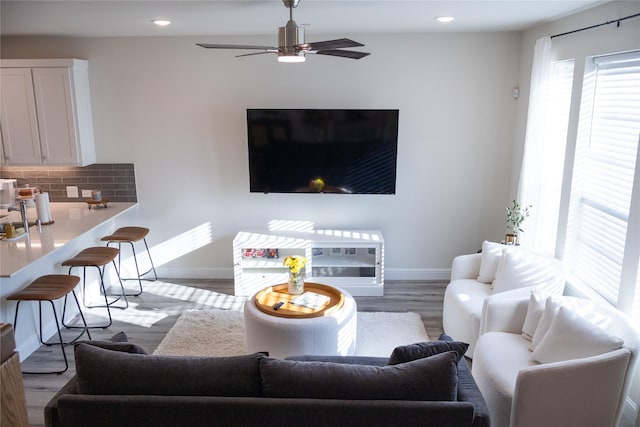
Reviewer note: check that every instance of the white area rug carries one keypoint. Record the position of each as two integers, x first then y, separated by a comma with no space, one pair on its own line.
221,333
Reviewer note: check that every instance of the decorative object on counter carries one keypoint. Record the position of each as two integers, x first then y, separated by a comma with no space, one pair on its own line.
9,231
516,214
97,203
296,282
43,208
7,192
96,195
28,193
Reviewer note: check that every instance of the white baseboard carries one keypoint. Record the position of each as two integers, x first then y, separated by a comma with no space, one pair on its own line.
438,274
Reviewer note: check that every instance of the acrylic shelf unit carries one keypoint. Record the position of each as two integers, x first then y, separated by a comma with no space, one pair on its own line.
349,259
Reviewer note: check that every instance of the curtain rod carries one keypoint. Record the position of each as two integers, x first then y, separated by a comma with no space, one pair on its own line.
597,25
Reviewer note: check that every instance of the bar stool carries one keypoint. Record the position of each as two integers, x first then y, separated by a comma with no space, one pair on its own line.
98,257
49,288
130,235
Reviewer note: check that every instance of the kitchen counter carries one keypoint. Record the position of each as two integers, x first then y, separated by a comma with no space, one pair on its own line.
75,228
71,220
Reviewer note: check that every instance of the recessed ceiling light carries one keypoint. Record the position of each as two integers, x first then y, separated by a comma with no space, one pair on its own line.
161,22
445,19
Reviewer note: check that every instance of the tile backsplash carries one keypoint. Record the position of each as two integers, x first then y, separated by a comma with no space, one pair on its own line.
116,181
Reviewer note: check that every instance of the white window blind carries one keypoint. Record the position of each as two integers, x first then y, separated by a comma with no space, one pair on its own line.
605,163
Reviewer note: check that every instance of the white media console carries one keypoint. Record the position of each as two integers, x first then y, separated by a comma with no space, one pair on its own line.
350,259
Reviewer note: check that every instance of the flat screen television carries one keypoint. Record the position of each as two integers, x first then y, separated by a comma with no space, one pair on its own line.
322,151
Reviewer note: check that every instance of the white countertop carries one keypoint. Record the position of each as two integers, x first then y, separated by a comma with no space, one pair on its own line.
71,220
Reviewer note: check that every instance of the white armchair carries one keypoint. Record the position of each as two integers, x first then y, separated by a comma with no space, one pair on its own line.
578,374
499,272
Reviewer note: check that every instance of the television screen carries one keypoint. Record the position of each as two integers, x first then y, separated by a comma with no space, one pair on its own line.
322,151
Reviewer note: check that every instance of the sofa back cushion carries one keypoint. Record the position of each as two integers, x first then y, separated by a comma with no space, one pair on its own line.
410,352
519,268
489,260
572,336
102,371
433,378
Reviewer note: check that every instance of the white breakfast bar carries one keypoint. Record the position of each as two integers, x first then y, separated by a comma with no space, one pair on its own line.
75,227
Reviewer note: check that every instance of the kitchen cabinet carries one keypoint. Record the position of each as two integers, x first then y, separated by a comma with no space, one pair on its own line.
45,113
349,259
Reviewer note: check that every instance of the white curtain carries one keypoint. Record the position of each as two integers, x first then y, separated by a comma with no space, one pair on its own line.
530,191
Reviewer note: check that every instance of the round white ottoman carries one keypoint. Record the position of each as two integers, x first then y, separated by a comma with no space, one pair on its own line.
334,334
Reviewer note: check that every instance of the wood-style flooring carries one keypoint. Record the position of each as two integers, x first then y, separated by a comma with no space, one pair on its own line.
152,314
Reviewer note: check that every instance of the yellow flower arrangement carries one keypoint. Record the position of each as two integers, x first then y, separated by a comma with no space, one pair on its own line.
295,263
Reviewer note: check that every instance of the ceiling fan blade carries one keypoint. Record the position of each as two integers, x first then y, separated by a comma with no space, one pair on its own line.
257,53
333,44
236,46
342,53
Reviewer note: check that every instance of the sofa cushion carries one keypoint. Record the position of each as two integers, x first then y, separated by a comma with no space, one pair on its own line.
489,259
534,313
407,353
519,268
101,371
118,342
431,378
572,336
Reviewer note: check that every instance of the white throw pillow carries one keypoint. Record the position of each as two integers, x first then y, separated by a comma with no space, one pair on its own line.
534,313
521,268
551,306
491,254
572,336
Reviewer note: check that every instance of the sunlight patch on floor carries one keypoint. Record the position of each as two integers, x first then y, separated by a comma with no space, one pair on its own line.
142,314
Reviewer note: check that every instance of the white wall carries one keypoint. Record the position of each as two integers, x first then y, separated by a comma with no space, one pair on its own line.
177,112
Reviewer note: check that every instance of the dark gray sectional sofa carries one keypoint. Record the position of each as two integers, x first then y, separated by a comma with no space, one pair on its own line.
116,387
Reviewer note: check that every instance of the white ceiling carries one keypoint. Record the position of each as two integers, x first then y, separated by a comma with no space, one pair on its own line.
262,17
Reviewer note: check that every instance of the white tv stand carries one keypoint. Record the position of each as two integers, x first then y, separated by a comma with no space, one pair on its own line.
350,259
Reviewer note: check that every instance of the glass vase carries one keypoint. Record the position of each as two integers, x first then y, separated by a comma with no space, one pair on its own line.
296,284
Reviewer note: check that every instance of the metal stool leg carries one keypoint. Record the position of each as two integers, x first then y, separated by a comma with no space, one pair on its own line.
153,268
84,322
55,316
139,277
84,296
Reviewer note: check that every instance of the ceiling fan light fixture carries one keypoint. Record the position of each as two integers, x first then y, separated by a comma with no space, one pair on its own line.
444,19
291,58
161,22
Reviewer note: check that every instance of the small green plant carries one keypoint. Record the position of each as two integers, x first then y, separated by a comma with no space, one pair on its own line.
516,214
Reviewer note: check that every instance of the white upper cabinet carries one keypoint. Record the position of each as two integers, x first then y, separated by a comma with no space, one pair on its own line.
46,112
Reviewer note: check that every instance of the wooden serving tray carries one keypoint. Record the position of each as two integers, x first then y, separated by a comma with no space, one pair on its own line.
267,298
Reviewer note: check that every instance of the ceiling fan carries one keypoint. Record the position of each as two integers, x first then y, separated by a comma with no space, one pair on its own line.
291,45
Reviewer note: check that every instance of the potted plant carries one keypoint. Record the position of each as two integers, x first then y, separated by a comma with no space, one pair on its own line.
516,214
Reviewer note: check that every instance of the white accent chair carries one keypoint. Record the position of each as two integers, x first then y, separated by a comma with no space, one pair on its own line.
498,272
578,374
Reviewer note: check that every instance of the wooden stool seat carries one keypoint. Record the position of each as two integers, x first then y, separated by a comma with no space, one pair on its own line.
127,234
131,235
46,288
49,288
92,257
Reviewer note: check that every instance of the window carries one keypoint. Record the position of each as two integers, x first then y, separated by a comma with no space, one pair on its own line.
602,236
553,143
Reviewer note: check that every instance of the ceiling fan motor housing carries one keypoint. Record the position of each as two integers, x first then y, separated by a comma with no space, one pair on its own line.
289,38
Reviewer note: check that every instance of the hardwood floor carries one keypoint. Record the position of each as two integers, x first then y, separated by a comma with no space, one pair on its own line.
152,314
